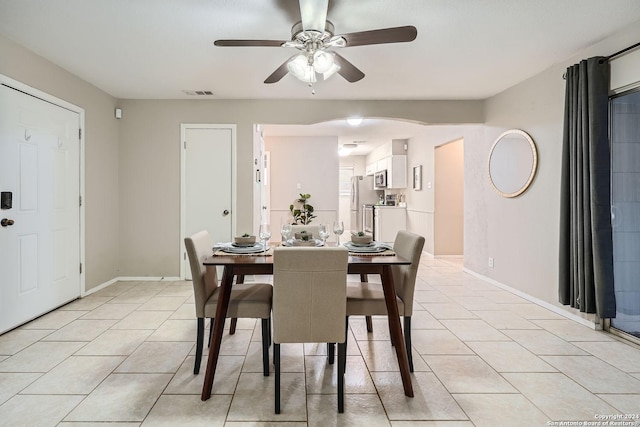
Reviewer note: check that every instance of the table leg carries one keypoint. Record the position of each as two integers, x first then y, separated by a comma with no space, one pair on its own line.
395,330
364,278
234,321
218,326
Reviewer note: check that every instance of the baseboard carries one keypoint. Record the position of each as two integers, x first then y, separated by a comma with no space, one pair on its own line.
99,287
533,299
147,279
129,279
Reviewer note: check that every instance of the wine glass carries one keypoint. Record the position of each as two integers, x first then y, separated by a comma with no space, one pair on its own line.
323,231
338,229
265,234
285,231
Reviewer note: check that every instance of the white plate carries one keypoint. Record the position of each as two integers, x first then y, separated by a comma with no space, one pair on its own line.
244,245
297,242
257,248
362,245
375,248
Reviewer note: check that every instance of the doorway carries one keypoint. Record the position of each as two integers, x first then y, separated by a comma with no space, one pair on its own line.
448,218
625,210
40,177
208,198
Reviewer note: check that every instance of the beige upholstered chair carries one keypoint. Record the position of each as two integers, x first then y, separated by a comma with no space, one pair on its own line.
368,298
247,300
309,303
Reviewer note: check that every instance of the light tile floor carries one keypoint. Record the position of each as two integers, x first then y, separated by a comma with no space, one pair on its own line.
483,357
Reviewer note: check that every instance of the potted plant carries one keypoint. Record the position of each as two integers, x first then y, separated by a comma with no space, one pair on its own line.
303,235
302,211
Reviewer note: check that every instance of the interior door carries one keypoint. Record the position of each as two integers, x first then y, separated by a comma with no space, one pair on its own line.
265,214
207,183
40,238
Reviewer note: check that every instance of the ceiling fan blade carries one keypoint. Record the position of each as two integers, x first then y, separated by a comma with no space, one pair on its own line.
249,43
385,35
350,72
279,73
313,14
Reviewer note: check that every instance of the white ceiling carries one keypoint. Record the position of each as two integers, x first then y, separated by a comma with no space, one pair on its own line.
370,134
156,49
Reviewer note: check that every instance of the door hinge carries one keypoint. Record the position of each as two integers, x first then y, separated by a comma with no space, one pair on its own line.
79,134
184,256
80,268
80,197
185,145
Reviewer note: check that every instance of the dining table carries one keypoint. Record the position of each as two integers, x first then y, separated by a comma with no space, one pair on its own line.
239,266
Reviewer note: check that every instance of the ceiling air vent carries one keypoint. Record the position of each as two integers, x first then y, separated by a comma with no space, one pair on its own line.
198,92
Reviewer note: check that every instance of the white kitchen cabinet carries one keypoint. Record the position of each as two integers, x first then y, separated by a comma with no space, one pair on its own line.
396,167
383,164
397,171
388,220
371,168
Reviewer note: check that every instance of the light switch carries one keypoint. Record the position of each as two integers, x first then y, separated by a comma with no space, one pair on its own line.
298,186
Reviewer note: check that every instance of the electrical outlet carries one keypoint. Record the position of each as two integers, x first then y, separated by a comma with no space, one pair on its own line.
490,262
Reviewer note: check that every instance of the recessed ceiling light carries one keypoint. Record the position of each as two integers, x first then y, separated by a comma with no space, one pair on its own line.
346,149
198,92
355,121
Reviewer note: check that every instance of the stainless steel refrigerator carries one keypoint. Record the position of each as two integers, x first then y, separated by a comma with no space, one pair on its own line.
362,193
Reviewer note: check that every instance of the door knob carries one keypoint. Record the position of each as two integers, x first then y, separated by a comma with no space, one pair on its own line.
225,212
6,222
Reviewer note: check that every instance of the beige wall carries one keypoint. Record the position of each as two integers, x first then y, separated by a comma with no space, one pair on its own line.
101,152
312,163
421,204
449,199
149,167
132,167
522,233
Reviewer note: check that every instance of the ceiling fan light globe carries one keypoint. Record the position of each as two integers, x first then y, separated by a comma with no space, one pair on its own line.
298,66
310,75
331,71
322,61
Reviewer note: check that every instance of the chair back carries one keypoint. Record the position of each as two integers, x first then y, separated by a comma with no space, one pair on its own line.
309,294
205,281
409,246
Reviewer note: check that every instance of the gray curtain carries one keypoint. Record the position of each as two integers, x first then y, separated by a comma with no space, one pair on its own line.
586,246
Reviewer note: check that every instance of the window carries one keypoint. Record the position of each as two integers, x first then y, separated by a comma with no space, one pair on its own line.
346,173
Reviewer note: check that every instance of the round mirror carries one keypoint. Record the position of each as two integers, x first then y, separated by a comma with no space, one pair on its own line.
512,163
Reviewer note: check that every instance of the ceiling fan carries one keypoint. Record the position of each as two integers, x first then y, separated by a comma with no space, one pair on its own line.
315,38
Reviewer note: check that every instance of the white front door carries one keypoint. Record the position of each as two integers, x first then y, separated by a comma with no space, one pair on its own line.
40,168
207,183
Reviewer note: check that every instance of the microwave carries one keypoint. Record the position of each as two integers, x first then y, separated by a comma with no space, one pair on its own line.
380,179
